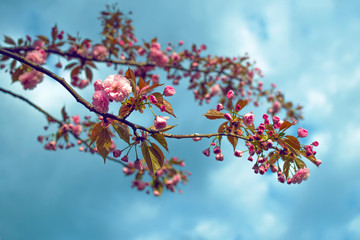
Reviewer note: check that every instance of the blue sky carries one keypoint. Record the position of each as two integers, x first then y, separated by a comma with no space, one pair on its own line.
310,50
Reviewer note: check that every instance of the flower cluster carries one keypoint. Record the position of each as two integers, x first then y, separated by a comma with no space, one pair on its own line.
115,88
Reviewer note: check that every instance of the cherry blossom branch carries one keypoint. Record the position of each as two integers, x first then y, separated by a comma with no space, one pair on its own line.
49,116
120,62
105,115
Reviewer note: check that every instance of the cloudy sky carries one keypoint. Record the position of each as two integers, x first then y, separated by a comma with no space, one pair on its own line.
310,50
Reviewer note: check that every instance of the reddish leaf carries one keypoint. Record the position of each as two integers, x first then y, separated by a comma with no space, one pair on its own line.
16,74
285,125
233,141
155,85
43,38
124,110
70,65
213,114
158,97
146,154
95,132
64,114
89,74
75,71
274,158
9,40
142,84
242,103
292,141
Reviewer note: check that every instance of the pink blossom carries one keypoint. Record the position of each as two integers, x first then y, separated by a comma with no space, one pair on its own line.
215,89
29,80
83,83
100,101
196,139
230,94
36,56
141,51
302,132
157,56
155,78
76,130
160,122
276,107
301,175
175,57
248,119
169,91
117,87
238,153
98,85
219,107
152,99
99,52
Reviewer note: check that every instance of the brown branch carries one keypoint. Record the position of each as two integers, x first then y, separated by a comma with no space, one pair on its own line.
105,115
120,62
53,118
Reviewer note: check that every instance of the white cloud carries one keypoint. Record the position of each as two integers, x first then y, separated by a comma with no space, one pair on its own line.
354,226
318,103
212,229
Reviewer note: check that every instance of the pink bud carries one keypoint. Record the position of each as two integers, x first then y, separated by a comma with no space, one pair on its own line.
238,153
318,162
152,99
116,153
181,42
227,117
219,107
125,159
261,160
138,165
217,150
219,157
206,152
238,107
169,91
315,144
302,132
230,94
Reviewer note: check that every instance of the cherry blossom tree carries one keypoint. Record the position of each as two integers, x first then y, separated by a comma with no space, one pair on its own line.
233,82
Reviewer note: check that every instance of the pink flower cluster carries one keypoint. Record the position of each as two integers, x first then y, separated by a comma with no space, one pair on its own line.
29,80
100,52
37,56
157,56
115,88
249,119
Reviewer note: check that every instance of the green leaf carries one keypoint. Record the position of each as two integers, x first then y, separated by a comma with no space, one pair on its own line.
146,154
103,143
122,130
213,114
300,163
156,151
160,139
286,168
